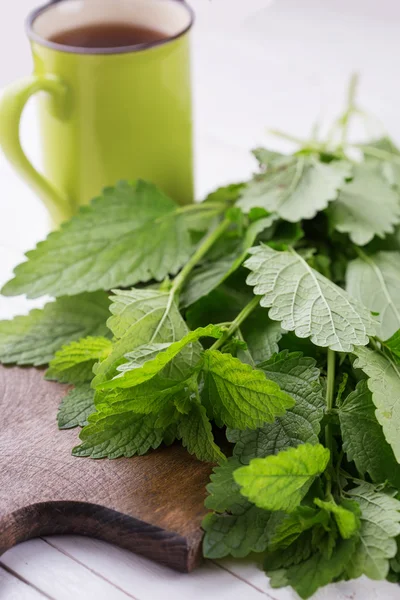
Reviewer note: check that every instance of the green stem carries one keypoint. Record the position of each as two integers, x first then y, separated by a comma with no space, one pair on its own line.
378,153
375,345
200,206
330,388
330,384
361,253
351,107
242,316
180,279
308,144
201,251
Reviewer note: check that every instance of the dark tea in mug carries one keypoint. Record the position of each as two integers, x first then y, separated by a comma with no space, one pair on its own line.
107,35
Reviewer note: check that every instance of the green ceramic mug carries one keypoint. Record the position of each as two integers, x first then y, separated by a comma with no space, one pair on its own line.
107,113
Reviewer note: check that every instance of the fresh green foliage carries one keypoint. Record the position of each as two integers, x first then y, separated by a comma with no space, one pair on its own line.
299,378
290,527
319,570
129,234
271,311
34,339
390,169
367,206
261,335
141,317
195,431
394,344
346,520
306,302
223,262
76,407
280,482
74,362
363,439
384,383
141,365
295,187
238,527
116,435
238,533
228,382
380,525
374,281
224,492
229,193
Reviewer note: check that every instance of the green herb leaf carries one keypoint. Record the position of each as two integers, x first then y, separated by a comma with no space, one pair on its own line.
224,492
75,407
228,193
261,335
129,234
244,529
237,534
363,439
367,206
238,395
319,570
291,526
374,281
280,482
384,383
140,317
390,169
196,434
394,344
299,378
220,306
295,187
306,302
74,362
380,524
113,436
133,373
149,397
35,338
347,520
297,552
212,273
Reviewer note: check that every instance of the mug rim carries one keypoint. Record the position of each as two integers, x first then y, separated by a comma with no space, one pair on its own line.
33,36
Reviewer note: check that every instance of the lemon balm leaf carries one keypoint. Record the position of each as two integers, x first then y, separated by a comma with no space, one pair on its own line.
74,362
295,187
280,482
129,234
306,302
35,338
238,395
374,281
367,206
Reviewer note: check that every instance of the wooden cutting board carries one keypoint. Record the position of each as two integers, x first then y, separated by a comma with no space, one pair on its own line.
152,505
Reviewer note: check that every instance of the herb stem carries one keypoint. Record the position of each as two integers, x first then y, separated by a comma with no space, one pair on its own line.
200,206
203,248
180,279
330,388
242,316
330,384
351,108
309,144
378,153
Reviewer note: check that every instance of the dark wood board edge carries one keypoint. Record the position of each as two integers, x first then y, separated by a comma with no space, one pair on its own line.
79,518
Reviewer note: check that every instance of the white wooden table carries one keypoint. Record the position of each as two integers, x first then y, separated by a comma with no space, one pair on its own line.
257,64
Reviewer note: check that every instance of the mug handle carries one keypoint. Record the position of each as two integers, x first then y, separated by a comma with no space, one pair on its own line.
12,104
